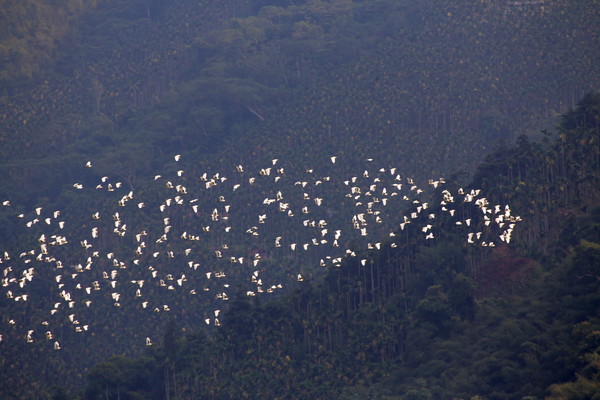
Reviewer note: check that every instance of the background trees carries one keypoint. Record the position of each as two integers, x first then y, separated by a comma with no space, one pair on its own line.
509,328
430,86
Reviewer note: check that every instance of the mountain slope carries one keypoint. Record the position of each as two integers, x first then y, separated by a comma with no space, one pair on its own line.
502,323
428,87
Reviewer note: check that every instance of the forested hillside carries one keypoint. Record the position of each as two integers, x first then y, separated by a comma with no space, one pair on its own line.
444,320
426,78
30,33
445,91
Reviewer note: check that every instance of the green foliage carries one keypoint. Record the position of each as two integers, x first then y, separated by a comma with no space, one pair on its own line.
340,70
312,343
461,296
433,311
29,34
587,382
123,378
438,82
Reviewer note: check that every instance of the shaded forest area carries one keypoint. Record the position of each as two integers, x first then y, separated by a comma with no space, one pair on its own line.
433,86
30,35
429,79
421,321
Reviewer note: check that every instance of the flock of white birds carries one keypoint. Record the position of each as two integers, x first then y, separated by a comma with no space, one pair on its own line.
194,232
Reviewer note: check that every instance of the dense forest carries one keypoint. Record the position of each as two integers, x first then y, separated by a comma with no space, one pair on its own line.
494,96
360,77
516,322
